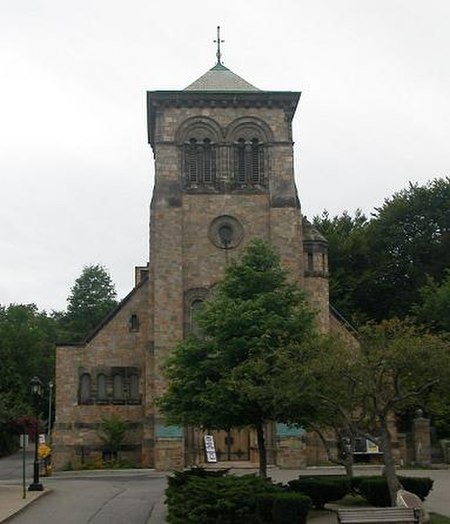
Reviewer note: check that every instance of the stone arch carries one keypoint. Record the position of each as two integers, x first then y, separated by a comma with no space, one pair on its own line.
199,128
249,138
248,128
192,299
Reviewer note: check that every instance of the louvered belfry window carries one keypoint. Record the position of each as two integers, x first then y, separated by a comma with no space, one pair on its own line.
199,162
249,162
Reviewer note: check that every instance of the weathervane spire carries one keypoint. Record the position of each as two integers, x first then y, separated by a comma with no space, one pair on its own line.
218,42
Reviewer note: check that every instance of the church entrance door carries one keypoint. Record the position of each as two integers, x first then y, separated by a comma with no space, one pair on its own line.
233,445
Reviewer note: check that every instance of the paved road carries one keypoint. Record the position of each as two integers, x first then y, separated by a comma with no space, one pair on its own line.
115,497
110,499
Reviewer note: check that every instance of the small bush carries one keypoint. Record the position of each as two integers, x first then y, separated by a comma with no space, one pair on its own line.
375,489
321,489
290,508
200,498
421,486
264,505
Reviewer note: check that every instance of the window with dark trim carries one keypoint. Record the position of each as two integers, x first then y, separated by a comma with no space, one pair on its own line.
85,388
118,387
199,162
134,387
101,387
133,322
249,162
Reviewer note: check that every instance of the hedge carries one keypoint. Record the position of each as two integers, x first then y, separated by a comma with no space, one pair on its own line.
321,489
375,489
200,498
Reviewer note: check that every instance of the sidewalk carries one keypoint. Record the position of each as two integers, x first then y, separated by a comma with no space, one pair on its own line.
12,501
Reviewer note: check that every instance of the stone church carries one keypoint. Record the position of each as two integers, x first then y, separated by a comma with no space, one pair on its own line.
224,174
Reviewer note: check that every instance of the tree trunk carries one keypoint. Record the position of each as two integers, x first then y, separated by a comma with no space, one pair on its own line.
261,450
388,459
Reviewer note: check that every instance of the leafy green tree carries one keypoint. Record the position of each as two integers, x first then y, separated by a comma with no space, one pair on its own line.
396,368
255,326
348,260
434,305
26,349
91,299
409,238
112,433
378,266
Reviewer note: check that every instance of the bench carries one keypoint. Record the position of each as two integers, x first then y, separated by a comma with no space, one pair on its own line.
378,515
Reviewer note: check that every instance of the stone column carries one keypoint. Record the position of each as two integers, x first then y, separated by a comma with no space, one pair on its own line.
421,440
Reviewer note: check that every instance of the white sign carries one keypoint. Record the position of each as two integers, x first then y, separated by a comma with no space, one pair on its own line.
24,440
210,448
42,438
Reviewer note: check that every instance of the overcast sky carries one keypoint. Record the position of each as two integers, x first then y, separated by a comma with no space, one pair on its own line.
76,171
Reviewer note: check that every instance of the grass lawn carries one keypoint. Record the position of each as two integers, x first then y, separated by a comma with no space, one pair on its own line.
439,519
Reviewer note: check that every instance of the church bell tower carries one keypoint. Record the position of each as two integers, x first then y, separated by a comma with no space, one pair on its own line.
224,174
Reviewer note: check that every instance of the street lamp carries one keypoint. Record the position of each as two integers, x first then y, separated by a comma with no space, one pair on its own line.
36,392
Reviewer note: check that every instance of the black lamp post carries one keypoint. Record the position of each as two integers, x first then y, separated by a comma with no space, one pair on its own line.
36,391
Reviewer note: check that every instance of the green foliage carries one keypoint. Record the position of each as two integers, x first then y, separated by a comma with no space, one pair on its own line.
256,327
421,486
112,433
379,265
208,499
290,508
321,489
91,299
26,349
375,488
348,261
433,308
179,478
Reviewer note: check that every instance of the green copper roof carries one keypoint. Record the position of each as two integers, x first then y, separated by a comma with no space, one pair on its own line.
220,78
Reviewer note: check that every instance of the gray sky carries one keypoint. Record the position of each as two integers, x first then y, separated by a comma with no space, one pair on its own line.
76,171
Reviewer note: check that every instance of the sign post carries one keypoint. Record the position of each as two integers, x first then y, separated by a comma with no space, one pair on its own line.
24,444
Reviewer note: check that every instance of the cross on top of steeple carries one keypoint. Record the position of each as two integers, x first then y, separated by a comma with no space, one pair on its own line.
218,42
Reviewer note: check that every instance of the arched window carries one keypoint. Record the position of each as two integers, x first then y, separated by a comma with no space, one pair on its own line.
101,386
199,162
196,305
85,388
134,386
118,387
249,162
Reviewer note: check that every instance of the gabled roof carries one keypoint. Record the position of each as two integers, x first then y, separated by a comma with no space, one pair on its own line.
220,78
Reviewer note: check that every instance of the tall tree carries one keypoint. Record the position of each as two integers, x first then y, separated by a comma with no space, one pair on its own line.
409,238
348,260
255,326
396,368
378,266
91,298
26,349
433,308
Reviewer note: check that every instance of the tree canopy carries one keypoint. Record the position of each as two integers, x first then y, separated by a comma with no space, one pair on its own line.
397,367
255,326
378,266
91,298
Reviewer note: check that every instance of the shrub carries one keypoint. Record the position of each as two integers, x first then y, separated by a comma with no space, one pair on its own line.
321,489
375,489
205,498
264,505
290,508
421,486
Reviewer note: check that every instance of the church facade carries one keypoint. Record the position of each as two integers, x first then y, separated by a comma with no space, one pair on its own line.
224,174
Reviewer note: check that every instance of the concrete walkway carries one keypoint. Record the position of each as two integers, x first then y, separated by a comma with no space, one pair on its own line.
12,501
